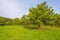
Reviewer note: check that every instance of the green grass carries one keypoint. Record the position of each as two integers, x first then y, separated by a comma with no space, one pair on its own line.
21,33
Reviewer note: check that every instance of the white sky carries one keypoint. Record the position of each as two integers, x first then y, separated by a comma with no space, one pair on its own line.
17,8
9,8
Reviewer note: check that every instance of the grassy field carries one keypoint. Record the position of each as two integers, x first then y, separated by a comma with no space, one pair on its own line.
21,33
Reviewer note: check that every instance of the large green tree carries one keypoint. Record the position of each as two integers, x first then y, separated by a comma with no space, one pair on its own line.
41,15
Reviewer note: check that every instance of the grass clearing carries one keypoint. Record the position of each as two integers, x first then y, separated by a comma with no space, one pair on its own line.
21,33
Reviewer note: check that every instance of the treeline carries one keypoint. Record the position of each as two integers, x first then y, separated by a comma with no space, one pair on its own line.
5,21
40,16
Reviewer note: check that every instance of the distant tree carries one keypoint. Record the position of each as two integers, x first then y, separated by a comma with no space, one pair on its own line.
8,23
2,21
24,20
57,21
16,21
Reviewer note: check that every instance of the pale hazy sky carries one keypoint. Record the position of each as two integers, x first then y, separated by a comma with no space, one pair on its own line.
17,8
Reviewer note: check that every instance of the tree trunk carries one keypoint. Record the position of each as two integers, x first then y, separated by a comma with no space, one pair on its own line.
40,28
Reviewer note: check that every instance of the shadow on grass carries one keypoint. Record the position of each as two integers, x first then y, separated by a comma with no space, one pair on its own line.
31,26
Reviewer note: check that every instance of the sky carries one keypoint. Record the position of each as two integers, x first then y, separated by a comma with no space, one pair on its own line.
17,8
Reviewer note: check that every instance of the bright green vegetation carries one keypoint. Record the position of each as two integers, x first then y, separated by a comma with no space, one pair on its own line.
21,33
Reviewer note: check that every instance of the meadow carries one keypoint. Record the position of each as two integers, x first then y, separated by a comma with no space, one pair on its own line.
21,33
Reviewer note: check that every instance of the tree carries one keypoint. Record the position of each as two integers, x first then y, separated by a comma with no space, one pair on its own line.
57,21
5,21
16,21
8,23
2,22
24,20
41,15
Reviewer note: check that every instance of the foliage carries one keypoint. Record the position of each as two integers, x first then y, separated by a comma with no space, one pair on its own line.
16,21
24,20
41,15
5,21
57,21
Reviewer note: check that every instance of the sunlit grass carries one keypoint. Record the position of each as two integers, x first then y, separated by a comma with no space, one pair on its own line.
21,33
